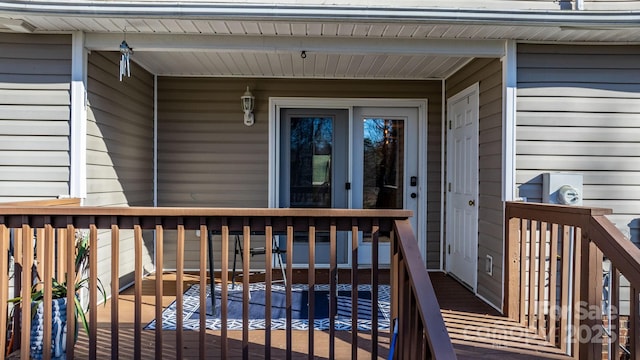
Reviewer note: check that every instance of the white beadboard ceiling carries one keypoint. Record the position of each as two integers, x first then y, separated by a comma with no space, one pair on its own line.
325,64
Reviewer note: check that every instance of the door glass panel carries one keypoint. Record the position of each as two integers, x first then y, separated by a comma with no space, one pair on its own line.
383,175
383,164
310,155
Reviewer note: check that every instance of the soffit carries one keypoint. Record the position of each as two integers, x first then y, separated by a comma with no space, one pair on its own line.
327,64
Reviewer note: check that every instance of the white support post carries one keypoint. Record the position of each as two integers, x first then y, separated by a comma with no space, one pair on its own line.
509,78
510,85
78,125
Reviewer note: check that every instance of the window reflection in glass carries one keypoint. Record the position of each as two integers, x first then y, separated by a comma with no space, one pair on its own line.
311,152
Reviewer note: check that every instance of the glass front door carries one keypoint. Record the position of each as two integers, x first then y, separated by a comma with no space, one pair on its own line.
385,149
318,147
313,172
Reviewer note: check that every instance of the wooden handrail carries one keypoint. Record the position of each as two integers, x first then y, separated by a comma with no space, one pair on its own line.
421,317
45,202
580,240
615,246
422,297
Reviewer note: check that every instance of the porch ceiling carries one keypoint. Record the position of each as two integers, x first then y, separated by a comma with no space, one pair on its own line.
297,27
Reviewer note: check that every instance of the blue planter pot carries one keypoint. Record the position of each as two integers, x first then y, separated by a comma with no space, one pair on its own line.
58,331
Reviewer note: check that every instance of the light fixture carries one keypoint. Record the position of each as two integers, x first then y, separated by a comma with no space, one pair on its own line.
125,55
247,100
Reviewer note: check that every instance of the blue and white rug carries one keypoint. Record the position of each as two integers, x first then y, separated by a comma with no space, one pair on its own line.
300,309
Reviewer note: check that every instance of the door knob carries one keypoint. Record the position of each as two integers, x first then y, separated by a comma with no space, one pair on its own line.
472,203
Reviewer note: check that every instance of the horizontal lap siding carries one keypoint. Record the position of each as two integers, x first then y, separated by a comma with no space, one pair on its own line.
119,152
207,157
488,72
578,111
35,76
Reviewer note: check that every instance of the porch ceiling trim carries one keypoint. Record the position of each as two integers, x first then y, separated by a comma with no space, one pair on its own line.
275,44
203,10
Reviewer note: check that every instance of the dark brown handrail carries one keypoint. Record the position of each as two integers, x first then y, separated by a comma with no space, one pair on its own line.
535,230
422,317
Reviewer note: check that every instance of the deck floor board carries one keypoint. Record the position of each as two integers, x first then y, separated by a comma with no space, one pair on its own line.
477,330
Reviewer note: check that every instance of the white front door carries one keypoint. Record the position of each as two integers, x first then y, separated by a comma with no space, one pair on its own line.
385,168
462,186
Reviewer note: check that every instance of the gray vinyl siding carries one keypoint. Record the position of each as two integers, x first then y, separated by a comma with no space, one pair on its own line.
488,72
207,157
119,151
35,76
577,111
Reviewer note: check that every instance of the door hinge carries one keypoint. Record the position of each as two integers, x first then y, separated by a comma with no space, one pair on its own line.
449,124
449,187
449,249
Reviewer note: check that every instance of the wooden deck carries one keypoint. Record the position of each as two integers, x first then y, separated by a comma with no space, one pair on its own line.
191,341
477,330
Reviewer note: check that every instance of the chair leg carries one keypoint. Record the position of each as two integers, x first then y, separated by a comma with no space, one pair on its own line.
276,247
237,250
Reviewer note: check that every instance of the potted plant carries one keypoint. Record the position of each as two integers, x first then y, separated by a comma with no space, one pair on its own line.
59,305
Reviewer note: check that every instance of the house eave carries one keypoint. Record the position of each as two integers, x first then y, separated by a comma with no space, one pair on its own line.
279,12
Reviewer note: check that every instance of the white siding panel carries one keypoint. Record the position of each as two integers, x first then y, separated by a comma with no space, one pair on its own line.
35,74
12,112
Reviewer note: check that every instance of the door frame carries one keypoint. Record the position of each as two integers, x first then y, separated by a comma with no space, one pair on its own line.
475,88
277,103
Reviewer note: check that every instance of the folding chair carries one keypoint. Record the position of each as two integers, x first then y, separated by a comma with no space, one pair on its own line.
275,250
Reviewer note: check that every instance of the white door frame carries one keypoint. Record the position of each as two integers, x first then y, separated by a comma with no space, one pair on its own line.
277,103
473,89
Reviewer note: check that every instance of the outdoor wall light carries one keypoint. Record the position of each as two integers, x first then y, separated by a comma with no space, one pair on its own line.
247,100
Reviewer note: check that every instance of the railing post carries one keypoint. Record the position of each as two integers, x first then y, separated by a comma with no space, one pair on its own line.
512,269
634,322
591,289
4,282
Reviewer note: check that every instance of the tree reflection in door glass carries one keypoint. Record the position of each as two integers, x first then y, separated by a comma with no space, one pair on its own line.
383,164
311,152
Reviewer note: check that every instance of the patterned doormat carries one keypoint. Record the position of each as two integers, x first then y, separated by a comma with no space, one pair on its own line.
300,309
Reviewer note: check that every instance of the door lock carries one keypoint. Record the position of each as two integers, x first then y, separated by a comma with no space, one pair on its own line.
472,203
414,195
413,181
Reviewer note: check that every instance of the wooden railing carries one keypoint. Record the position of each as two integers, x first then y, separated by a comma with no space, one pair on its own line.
421,328
421,332
567,271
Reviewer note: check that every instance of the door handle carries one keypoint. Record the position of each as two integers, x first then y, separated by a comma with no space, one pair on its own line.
472,203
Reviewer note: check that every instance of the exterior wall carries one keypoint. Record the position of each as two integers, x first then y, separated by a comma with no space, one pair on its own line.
490,208
207,157
577,111
119,151
34,116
